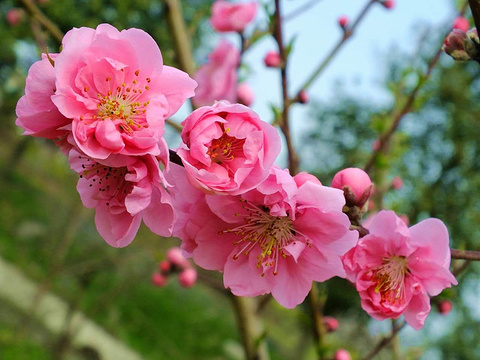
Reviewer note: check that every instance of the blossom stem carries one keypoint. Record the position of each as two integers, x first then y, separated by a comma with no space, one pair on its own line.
475,7
300,10
317,303
251,330
38,15
346,35
385,341
407,108
293,160
175,125
465,254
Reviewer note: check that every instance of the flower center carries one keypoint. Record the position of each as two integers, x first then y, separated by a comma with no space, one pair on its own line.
122,104
271,233
225,148
390,278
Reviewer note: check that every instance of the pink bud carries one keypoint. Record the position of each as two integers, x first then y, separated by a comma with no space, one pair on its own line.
245,94
459,45
376,145
187,277
303,97
272,59
175,256
159,280
445,307
461,23
342,354
397,183
331,324
356,180
165,267
15,16
343,21
388,4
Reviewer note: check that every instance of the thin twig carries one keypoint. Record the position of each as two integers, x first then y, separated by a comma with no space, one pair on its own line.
407,108
475,7
346,35
384,341
38,15
176,126
465,254
293,160
301,9
316,309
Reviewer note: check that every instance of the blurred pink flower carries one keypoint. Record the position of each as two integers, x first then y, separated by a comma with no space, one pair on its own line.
388,4
343,21
36,112
245,94
302,177
331,324
15,16
395,268
227,16
272,59
159,280
397,183
277,238
217,79
303,97
115,88
227,148
445,307
342,354
175,257
187,277
123,195
461,24
357,181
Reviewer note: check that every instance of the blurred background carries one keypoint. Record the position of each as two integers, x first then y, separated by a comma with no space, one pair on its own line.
50,252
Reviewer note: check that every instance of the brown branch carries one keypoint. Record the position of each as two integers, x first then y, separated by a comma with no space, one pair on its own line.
407,108
293,160
384,341
475,7
38,15
465,254
316,309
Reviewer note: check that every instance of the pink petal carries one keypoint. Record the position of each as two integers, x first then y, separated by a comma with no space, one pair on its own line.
118,230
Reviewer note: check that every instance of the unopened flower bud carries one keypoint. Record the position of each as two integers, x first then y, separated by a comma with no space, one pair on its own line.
187,277
397,183
165,267
444,307
15,16
302,177
376,145
343,21
461,24
245,94
303,97
356,185
159,280
388,4
342,354
405,219
272,59
331,324
460,46
175,256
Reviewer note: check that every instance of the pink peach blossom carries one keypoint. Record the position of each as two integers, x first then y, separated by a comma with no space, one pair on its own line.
445,307
115,88
330,323
245,94
217,79
396,268
36,113
272,59
123,195
187,277
227,148
342,354
228,17
175,257
15,16
277,238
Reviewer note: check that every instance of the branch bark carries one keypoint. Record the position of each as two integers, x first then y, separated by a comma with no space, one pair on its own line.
475,7
38,15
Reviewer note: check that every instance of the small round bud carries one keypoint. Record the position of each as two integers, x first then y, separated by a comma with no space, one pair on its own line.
272,59
356,181
245,94
342,354
159,280
15,16
175,257
405,219
397,183
461,24
303,97
187,277
331,324
165,267
388,4
444,307
343,21
302,177
376,145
